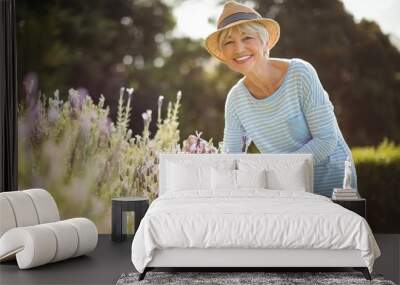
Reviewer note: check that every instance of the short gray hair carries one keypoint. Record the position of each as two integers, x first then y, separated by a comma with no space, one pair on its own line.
250,27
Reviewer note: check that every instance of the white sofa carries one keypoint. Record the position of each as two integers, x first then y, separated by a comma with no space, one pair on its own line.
31,230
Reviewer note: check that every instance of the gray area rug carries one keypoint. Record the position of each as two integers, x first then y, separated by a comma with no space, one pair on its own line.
232,278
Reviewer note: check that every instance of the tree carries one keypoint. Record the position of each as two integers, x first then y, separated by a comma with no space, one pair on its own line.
356,62
97,45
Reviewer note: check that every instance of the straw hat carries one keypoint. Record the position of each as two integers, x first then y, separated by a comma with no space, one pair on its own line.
234,14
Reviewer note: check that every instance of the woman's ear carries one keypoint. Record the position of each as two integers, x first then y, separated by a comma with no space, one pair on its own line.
266,51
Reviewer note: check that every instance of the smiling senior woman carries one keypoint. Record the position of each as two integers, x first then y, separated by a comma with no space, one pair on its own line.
279,104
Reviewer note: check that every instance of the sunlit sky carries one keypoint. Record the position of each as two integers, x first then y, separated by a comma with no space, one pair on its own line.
192,15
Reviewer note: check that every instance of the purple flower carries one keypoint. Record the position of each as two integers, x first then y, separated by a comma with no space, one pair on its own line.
35,111
74,98
53,114
201,147
31,83
145,116
77,98
195,144
82,92
192,148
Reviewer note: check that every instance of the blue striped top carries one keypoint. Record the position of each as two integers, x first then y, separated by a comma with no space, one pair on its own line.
297,118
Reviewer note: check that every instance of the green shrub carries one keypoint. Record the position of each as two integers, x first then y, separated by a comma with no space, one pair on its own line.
378,178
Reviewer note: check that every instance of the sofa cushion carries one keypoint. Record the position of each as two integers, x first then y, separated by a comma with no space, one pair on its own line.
46,207
23,208
27,208
67,239
7,215
40,244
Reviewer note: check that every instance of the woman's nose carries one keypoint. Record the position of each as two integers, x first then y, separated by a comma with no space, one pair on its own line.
238,47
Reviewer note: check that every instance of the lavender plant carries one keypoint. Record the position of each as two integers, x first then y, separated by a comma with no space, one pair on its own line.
74,150
195,144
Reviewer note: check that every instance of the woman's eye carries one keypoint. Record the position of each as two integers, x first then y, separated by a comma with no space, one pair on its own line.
248,38
227,43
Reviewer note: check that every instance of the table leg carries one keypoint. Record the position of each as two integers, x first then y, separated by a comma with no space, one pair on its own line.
140,211
116,224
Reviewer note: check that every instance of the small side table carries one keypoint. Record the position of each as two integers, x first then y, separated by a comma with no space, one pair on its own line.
139,205
358,206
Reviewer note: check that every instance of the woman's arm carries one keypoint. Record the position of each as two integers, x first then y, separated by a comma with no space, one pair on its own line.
233,130
321,120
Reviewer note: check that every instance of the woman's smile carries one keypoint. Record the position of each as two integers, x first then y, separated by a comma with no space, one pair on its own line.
243,59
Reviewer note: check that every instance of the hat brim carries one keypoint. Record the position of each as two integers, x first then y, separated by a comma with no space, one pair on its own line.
212,41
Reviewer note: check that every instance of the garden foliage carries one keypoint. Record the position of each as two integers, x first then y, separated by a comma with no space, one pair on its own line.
378,172
74,150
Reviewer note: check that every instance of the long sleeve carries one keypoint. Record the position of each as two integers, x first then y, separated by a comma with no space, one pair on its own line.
233,130
321,120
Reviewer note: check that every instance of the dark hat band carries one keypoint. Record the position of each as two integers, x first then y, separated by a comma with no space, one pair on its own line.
238,17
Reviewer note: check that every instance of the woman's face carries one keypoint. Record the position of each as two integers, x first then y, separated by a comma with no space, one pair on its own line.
242,50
